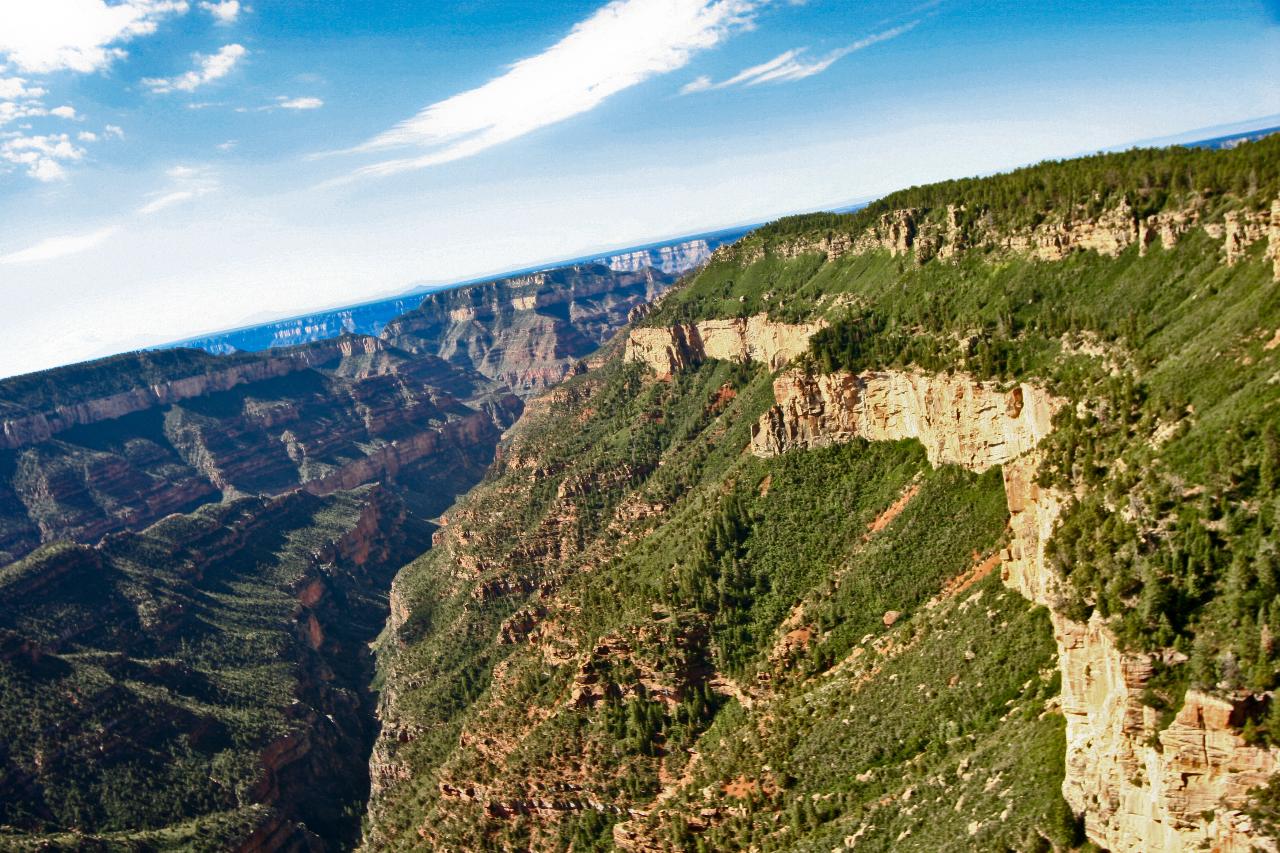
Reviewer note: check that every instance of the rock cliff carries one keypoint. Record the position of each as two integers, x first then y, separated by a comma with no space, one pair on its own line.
674,259
946,234
666,350
1139,788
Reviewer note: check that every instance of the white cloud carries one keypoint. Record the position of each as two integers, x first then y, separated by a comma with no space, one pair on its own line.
791,66
167,200
41,156
16,88
186,183
87,136
225,12
64,111
757,72
10,111
300,103
113,131
701,84
42,36
52,248
208,69
623,44
19,100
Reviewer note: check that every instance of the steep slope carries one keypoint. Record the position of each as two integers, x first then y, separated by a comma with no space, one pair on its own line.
202,684
700,606
194,674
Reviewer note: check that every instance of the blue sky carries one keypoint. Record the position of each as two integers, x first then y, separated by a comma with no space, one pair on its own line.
170,167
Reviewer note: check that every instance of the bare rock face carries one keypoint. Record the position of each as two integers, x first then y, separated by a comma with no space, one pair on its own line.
834,246
667,350
959,421
31,429
1241,229
1184,794
330,416
1187,792
1273,239
910,231
677,258
953,241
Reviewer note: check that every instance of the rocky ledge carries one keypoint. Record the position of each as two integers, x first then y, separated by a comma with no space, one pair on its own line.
667,350
915,233
1139,788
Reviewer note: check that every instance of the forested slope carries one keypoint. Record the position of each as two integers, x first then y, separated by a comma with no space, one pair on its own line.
703,604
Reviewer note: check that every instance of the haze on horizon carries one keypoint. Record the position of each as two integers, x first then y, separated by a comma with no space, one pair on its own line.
171,167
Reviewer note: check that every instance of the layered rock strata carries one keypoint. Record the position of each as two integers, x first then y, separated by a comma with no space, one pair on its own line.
667,350
1139,788
915,233
324,417
529,331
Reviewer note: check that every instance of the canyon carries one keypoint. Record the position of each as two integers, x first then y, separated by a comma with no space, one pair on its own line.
304,473
657,564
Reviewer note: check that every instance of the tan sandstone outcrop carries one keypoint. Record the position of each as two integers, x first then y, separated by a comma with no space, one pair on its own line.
959,421
666,350
1138,788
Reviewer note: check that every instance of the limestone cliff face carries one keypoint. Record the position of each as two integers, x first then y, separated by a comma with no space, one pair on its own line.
962,422
913,232
1139,789
676,258
1136,795
41,426
666,350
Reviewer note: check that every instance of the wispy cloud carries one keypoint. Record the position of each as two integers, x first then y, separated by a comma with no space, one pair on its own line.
207,70
299,103
699,84
622,45
42,36
225,12
53,248
793,65
185,183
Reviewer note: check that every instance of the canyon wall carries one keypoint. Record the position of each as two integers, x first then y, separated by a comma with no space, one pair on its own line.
946,235
329,416
371,318
676,258
667,350
1139,788
527,332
